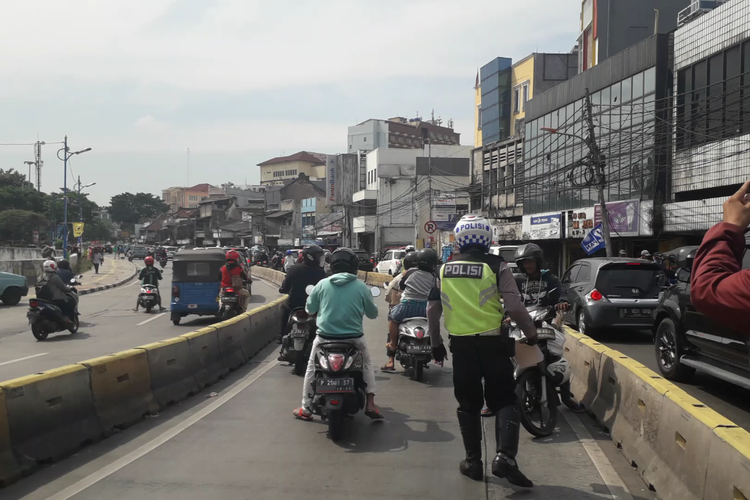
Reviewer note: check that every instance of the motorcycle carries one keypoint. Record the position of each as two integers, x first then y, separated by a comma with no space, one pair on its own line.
297,344
148,297
230,304
130,258
540,372
338,385
414,349
45,317
163,262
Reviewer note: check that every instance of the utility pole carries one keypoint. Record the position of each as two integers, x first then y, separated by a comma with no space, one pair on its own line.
598,164
39,164
31,182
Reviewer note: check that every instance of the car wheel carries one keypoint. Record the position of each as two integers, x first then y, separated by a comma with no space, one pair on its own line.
583,326
11,297
669,347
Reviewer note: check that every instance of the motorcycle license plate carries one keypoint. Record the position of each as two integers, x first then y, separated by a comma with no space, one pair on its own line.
299,333
636,313
334,385
419,349
230,299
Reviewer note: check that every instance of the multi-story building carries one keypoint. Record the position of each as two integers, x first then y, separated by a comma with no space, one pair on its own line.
611,26
187,197
495,163
495,83
277,170
712,118
399,133
630,97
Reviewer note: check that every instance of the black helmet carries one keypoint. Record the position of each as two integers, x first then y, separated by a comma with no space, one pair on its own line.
529,251
344,260
63,264
428,260
312,255
411,260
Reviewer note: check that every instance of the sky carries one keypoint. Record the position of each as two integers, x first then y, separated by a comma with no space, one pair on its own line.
241,81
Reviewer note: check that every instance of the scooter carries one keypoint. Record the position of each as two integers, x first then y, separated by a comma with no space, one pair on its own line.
297,344
163,262
230,304
148,298
338,386
540,371
414,348
45,317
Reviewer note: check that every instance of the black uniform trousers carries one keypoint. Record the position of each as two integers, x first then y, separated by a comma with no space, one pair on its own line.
477,358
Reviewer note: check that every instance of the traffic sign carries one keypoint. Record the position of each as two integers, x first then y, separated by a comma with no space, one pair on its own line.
430,227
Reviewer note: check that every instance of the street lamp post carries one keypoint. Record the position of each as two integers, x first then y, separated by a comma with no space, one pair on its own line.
80,206
66,156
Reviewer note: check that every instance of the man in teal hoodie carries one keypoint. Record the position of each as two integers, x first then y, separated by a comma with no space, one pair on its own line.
340,302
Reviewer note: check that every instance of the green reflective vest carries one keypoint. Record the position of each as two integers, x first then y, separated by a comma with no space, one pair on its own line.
470,298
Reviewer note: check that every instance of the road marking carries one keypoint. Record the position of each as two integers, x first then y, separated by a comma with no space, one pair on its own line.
131,457
23,359
617,489
151,319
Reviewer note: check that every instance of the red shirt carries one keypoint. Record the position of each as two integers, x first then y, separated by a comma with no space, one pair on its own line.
719,288
226,275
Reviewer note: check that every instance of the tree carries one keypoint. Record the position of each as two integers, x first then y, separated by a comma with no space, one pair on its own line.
19,225
134,208
16,193
13,178
97,230
56,207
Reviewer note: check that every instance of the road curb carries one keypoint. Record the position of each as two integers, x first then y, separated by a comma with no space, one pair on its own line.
115,285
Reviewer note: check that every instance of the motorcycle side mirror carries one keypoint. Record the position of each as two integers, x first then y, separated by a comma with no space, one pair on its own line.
73,281
80,276
309,289
683,275
375,291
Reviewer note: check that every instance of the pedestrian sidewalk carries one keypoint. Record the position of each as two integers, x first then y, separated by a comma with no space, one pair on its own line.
112,272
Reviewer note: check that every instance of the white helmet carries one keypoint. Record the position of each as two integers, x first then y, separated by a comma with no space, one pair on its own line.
50,266
410,248
560,367
473,230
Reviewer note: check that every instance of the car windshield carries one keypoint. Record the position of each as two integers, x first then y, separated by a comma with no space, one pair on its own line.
399,254
629,281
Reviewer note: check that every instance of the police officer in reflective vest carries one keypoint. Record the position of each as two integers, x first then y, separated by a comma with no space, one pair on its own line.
469,292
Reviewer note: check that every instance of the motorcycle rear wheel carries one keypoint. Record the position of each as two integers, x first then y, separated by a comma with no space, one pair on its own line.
417,371
76,324
335,424
528,390
38,333
148,309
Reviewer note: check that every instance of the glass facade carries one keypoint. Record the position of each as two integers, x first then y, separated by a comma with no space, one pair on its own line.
556,171
495,110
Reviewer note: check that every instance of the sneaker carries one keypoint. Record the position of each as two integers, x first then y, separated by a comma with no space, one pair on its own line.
303,414
486,412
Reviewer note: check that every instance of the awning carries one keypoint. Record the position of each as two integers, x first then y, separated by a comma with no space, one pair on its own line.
328,233
273,215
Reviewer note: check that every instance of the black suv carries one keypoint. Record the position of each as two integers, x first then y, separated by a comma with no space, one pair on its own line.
686,340
365,264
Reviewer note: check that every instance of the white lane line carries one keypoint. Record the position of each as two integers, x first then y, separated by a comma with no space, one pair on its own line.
616,487
151,319
131,457
22,359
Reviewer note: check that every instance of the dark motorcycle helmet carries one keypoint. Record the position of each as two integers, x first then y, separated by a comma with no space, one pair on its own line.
427,260
344,260
63,264
312,255
530,251
411,260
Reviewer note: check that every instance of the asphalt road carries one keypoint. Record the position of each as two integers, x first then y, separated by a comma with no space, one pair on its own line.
108,324
727,399
243,442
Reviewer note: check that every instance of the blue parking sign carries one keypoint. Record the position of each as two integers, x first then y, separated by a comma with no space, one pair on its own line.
594,240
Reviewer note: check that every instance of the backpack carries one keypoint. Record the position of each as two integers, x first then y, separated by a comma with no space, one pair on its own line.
42,290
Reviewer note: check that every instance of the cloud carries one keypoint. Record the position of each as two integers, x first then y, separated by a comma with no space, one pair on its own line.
149,124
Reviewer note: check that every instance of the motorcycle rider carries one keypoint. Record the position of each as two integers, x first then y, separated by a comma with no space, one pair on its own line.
51,287
393,295
299,276
469,290
340,302
149,275
64,272
415,286
232,275
537,286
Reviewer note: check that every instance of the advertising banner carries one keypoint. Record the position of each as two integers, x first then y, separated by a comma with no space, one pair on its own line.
542,227
330,180
624,219
594,240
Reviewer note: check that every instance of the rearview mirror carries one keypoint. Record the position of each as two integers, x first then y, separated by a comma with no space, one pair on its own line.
73,281
683,275
375,291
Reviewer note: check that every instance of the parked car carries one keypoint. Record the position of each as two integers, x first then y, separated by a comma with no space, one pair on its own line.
390,261
12,288
364,260
170,252
612,293
507,252
685,340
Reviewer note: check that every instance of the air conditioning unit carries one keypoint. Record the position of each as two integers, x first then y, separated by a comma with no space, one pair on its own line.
697,8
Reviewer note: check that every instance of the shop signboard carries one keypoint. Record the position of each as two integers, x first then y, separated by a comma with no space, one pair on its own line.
624,217
579,222
542,226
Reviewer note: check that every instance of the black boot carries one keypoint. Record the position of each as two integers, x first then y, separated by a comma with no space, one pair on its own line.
471,431
507,430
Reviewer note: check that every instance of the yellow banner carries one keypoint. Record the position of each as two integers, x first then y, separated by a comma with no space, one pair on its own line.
77,229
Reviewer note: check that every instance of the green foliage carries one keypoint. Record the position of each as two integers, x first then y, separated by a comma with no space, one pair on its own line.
56,207
98,230
135,208
13,178
19,224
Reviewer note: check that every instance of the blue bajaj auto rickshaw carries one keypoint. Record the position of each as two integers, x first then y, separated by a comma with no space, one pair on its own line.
196,283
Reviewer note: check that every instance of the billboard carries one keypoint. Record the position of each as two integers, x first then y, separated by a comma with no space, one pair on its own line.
330,180
542,226
624,219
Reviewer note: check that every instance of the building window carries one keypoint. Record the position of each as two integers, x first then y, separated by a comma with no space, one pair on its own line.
525,95
516,100
479,117
193,198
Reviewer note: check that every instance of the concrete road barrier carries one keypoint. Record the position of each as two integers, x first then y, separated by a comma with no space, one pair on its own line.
9,469
51,414
205,356
231,332
121,384
373,278
265,325
728,475
170,367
